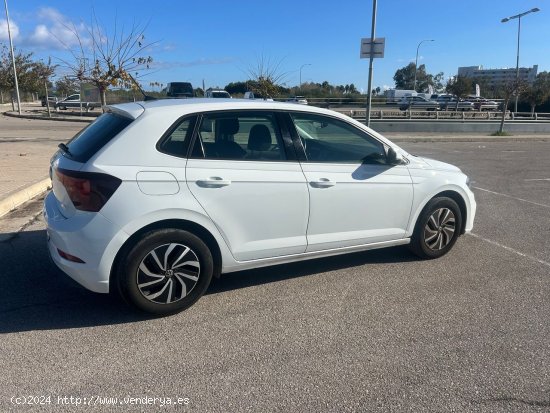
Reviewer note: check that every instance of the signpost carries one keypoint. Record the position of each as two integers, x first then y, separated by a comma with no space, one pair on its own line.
371,48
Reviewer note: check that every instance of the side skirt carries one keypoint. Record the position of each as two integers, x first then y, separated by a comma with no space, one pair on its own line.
265,262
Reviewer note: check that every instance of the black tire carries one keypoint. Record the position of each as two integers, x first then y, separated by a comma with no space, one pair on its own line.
179,291
426,235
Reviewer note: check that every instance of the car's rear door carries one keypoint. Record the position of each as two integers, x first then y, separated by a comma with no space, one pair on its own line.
243,172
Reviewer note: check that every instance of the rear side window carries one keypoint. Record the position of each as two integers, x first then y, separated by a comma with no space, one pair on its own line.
90,140
176,141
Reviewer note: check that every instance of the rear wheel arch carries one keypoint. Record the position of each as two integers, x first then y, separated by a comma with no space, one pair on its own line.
185,225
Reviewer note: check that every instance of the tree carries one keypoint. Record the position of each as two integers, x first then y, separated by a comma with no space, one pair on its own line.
538,92
266,77
509,89
461,87
404,78
106,60
66,85
30,74
234,88
42,72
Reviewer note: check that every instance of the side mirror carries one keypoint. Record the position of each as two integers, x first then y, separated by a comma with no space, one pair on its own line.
392,158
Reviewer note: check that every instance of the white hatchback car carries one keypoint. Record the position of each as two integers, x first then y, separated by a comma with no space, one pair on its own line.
155,198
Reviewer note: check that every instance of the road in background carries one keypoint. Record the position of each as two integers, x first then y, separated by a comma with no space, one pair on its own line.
378,330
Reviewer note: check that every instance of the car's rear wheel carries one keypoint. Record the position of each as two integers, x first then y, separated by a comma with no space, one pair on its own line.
437,228
165,272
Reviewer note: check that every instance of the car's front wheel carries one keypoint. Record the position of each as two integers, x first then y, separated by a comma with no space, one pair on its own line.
437,228
165,272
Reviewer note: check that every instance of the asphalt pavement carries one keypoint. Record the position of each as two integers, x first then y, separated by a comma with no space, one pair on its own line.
373,331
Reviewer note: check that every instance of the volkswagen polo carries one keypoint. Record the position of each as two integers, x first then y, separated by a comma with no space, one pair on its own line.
155,198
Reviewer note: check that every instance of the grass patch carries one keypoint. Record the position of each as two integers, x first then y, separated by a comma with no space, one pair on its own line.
497,133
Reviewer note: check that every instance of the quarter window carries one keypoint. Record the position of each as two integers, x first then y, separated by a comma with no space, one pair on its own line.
327,139
239,136
178,138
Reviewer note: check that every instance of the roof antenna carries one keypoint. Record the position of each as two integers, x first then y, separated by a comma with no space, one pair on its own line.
145,96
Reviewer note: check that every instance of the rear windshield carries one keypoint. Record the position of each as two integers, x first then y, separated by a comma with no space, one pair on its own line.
91,139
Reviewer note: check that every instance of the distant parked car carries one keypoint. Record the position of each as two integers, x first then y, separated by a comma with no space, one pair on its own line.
417,102
179,90
252,95
217,93
297,99
73,101
481,103
448,102
51,99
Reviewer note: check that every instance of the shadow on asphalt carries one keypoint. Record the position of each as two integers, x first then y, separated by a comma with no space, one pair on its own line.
38,296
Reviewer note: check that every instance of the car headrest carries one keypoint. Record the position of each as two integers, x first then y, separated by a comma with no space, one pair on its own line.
259,138
227,126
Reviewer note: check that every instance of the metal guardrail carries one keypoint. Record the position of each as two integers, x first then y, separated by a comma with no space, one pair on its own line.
445,115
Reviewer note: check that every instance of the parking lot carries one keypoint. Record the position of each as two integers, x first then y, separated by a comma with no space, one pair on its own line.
379,330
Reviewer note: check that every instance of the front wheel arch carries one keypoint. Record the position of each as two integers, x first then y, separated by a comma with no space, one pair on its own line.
455,196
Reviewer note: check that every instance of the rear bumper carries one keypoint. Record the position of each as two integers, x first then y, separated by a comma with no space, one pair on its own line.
88,236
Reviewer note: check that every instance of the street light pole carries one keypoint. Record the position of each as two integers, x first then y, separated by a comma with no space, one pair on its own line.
13,59
416,61
507,19
372,33
301,67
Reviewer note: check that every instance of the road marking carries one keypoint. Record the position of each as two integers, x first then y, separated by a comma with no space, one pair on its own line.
510,249
513,197
538,179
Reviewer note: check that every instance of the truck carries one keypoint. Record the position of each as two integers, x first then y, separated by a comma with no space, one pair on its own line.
73,102
179,90
395,95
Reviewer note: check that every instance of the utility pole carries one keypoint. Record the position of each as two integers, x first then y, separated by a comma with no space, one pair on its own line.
373,29
13,58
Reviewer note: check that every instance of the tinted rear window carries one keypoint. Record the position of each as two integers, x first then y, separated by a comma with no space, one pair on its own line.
90,140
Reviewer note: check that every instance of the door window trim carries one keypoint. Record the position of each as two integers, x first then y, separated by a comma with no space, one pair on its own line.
280,124
300,148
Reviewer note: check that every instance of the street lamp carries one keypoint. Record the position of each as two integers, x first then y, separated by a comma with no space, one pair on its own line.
416,61
507,19
301,67
13,59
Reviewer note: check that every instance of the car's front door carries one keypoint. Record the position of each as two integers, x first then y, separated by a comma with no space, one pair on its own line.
356,197
250,184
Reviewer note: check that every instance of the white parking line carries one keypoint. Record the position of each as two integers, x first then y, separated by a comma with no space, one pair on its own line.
538,179
510,249
513,197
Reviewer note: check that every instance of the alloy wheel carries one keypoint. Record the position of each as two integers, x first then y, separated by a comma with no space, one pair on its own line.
439,229
168,273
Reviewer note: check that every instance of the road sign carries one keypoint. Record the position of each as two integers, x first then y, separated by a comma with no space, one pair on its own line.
376,47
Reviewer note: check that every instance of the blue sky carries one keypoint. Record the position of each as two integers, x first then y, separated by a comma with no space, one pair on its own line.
219,41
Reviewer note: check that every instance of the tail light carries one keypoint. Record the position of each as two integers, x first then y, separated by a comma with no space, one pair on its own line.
88,191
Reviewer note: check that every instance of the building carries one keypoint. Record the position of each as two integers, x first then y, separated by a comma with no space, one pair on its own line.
497,77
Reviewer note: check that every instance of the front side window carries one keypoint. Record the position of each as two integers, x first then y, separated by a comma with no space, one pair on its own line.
327,139
239,136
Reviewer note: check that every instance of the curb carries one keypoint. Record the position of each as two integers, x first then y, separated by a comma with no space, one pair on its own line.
14,200
76,119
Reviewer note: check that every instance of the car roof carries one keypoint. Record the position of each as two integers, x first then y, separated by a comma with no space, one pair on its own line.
181,107
191,105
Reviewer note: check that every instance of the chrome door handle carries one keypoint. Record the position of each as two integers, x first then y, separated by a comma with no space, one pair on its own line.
213,182
322,183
